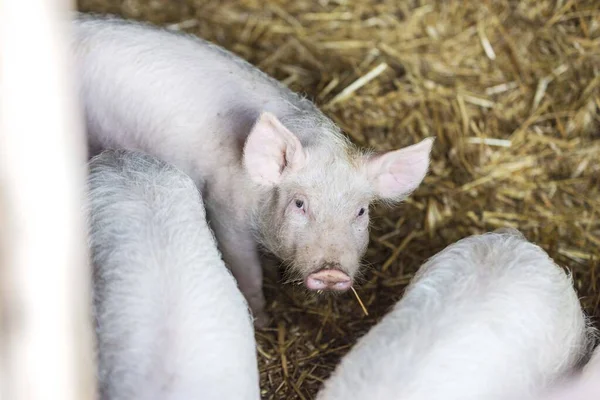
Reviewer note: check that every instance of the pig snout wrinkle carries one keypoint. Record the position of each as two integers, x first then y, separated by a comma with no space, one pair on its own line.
328,279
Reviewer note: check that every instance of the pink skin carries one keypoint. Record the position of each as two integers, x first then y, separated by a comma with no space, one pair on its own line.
328,279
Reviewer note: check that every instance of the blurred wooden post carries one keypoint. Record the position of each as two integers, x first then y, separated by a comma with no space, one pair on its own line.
45,336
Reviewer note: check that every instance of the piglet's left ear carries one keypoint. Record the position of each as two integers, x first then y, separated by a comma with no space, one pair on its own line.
271,149
397,173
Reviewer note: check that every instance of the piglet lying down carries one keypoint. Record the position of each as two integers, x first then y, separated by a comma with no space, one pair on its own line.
274,170
490,317
171,322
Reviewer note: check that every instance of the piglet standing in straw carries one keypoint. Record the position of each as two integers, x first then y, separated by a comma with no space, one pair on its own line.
490,317
274,170
171,322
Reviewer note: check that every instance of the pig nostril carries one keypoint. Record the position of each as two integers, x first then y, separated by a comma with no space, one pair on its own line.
328,279
313,283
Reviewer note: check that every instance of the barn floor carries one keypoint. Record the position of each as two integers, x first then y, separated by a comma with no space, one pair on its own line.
511,91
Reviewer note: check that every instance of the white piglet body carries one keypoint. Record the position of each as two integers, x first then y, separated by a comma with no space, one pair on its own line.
491,317
171,322
274,170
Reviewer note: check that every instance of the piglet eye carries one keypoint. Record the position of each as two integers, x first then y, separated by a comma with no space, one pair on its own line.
299,203
361,212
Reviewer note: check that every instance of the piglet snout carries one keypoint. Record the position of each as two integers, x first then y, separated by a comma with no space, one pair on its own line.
328,279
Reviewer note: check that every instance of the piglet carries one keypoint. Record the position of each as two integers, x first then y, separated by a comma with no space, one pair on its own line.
490,317
170,320
275,172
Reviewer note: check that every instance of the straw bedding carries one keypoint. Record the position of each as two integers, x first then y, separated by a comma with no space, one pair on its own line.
510,90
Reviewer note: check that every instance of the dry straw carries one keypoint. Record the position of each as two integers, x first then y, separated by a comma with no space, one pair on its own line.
510,90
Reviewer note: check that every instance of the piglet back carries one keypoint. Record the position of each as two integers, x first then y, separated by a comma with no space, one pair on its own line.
490,317
171,322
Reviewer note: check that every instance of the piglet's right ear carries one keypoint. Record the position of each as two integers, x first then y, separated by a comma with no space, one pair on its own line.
397,173
271,149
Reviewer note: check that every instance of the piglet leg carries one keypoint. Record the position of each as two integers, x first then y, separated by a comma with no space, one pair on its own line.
242,258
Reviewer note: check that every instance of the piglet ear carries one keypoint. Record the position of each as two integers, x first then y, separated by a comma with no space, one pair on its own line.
397,173
270,149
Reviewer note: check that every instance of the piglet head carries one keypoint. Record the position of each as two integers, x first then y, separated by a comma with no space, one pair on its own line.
315,215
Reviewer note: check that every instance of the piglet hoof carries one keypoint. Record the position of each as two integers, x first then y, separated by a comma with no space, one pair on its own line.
262,320
257,304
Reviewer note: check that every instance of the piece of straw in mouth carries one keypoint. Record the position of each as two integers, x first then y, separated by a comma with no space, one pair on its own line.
360,301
